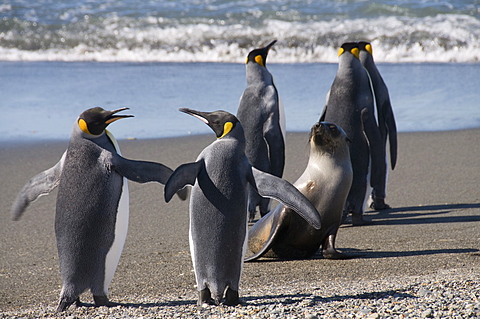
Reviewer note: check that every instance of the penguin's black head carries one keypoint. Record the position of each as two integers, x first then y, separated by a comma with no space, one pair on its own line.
220,122
351,47
95,120
365,46
259,56
328,136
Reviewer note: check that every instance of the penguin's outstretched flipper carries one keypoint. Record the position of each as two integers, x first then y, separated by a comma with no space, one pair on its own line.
270,186
144,171
41,184
184,175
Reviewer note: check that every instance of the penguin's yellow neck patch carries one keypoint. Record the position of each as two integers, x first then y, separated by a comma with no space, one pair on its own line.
83,126
259,60
368,47
340,51
227,127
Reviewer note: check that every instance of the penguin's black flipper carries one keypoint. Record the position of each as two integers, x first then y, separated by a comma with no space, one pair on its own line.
143,171
392,134
376,147
41,184
185,174
271,186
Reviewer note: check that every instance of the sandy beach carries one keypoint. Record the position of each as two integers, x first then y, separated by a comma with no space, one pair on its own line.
430,238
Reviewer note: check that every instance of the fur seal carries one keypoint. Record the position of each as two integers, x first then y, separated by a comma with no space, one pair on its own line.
325,182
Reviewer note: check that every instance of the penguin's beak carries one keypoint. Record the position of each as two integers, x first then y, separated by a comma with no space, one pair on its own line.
220,122
111,117
202,116
270,45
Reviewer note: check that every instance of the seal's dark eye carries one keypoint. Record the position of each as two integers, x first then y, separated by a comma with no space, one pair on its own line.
333,128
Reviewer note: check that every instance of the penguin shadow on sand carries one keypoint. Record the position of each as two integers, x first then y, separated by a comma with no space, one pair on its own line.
417,215
266,300
170,303
428,214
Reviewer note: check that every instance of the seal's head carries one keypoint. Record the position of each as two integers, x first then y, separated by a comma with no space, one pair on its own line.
328,138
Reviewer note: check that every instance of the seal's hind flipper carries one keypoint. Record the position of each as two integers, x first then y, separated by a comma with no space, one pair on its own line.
273,222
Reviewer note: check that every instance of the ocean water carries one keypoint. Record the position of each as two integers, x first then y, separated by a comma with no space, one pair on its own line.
58,58
224,31
41,100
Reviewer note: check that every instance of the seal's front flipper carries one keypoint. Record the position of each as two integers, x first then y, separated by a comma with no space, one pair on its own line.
329,251
185,174
270,186
41,184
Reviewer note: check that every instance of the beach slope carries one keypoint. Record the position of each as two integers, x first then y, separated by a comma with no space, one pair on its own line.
412,256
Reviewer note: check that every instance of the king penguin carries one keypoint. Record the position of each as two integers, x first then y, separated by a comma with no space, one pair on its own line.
386,123
218,206
262,116
92,206
350,105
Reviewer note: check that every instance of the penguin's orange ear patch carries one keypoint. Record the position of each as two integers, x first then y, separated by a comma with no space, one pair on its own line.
340,51
83,126
259,60
368,47
355,52
227,127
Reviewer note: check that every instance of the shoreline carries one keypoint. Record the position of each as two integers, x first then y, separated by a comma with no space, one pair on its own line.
24,141
414,256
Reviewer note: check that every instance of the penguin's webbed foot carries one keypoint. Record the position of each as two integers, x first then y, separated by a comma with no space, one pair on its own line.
103,301
64,304
379,204
205,298
360,220
231,297
78,303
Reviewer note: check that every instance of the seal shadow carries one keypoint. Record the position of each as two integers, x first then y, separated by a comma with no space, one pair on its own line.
429,214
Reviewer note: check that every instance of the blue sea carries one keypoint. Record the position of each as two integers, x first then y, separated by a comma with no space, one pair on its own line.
58,58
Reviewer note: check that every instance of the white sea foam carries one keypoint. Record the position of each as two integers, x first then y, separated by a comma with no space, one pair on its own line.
440,38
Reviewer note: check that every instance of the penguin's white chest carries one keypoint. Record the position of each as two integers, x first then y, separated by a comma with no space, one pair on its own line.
121,229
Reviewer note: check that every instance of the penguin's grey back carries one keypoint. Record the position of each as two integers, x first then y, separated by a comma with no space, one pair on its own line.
218,216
